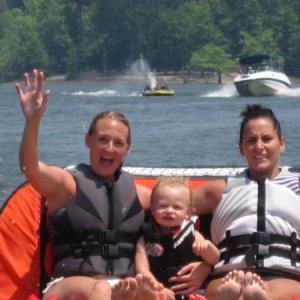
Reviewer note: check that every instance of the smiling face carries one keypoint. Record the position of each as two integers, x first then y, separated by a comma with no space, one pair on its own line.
170,205
262,146
108,144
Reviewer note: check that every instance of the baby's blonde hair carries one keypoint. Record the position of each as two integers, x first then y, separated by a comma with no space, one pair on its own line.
173,181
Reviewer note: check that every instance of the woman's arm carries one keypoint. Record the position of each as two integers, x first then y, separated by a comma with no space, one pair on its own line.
144,194
190,278
207,197
54,183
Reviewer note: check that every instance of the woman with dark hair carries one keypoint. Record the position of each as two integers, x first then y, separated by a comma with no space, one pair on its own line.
256,223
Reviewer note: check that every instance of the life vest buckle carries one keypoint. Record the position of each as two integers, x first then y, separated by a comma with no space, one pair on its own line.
110,251
262,238
263,250
106,236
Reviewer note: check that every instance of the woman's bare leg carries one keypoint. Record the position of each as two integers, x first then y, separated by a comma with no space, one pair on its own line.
282,288
79,288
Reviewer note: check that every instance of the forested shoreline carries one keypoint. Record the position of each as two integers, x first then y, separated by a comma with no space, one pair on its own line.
74,36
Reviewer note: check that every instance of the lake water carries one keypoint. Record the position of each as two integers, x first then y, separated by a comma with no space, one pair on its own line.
198,127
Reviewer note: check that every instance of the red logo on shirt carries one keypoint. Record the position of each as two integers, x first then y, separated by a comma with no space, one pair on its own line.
154,249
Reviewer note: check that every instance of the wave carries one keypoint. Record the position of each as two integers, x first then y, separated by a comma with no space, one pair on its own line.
103,93
290,92
226,90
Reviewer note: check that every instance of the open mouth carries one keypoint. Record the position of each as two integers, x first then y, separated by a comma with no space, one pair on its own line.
106,162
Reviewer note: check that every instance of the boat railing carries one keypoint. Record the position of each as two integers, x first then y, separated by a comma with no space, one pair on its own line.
197,172
201,172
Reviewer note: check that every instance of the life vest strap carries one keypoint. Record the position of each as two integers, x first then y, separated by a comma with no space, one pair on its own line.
251,253
107,251
101,236
264,238
104,243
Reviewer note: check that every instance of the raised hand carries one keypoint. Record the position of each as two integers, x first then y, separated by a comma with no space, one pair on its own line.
34,100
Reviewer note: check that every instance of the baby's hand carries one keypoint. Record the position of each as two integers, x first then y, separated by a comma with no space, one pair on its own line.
200,247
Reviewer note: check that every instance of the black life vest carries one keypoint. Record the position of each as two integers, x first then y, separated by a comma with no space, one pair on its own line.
167,253
97,232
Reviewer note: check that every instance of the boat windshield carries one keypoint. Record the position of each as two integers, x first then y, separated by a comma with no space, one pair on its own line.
264,68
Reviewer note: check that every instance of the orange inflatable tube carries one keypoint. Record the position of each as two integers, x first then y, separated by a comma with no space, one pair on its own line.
20,239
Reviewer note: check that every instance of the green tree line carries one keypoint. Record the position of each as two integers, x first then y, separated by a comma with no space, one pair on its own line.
71,36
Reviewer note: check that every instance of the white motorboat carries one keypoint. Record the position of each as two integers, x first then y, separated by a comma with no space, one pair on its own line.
259,77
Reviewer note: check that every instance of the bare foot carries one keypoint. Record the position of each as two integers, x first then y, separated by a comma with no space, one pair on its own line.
161,295
125,289
148,289
254,287
196,297
231,286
